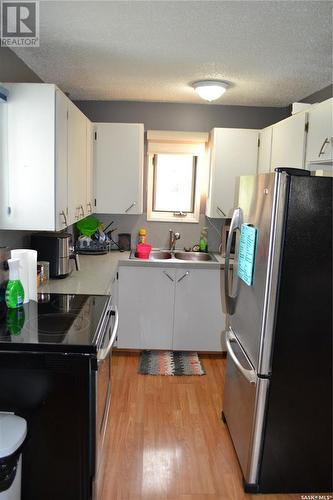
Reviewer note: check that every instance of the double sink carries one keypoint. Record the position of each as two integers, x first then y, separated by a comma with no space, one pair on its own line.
178,255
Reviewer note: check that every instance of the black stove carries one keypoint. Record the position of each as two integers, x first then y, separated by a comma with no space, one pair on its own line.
57,322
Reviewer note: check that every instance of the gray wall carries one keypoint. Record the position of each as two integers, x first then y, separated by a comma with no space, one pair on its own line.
158,232
13,69
320,96
175,116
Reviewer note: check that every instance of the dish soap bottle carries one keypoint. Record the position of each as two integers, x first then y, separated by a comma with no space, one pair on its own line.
203,243
14,291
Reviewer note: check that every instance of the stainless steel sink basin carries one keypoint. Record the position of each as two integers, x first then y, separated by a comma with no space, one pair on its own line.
195,256
177,255
159,254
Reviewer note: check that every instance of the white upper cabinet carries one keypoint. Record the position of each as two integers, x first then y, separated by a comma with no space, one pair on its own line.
320,134
233,152
77,166
288,142
61,157
43,174
265,150
119,168
90,169
27,177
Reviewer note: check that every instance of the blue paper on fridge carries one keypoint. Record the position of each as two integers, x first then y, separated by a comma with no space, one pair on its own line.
247,253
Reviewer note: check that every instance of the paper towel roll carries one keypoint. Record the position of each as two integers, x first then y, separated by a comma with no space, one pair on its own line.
28,271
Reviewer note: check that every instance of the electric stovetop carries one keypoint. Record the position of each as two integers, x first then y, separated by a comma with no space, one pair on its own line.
57,322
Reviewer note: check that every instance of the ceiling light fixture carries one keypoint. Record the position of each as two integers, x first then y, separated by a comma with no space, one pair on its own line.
210,90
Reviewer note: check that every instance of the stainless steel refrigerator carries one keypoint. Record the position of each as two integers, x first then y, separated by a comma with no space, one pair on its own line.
278,387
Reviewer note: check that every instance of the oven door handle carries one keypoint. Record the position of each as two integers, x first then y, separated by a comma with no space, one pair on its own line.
103,353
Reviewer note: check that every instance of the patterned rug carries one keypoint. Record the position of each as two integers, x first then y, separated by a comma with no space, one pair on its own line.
170,363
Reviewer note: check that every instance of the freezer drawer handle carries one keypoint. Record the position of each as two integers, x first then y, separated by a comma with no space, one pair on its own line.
105,352
250,375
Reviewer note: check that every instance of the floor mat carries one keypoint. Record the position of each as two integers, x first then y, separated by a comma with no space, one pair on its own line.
170,363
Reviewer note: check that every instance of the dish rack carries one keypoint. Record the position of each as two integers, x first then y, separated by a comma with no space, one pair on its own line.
93,247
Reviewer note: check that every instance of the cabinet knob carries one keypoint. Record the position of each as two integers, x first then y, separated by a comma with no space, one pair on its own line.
62,213
168,276
131,206
82,211
182,277
326,141
221,211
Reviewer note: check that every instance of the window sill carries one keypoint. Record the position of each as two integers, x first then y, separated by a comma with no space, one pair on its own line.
187,220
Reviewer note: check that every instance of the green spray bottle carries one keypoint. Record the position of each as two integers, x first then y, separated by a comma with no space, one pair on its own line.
14,290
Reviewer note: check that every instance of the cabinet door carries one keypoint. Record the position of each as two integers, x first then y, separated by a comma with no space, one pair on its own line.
61,160
119,168
265,149
288,143
90,168
199,321
319,141
234,152
76,164
27,187
146,307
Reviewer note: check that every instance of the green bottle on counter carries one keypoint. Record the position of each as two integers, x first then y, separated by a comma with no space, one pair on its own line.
203,243
14,291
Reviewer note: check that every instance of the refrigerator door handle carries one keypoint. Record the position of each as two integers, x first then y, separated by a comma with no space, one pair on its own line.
236,223
250,375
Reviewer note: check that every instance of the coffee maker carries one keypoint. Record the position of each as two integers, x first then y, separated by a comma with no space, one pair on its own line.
56,248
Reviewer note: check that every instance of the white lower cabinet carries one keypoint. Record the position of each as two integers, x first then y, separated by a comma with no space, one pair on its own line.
199,320
146,303
168,308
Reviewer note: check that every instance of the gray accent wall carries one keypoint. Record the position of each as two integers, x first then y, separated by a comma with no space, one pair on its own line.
178,116
13,69
321,95
158,232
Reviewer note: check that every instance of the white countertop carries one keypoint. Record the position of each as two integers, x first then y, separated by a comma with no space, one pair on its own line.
95,276
97,272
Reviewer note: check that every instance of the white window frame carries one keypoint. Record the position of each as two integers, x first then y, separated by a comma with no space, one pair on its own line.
176,143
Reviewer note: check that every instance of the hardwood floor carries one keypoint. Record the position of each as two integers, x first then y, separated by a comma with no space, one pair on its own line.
166,440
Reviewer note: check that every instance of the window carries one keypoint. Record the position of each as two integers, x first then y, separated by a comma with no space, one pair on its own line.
174,183
175,161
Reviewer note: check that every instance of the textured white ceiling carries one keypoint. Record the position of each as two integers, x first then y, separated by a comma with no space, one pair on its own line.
273,52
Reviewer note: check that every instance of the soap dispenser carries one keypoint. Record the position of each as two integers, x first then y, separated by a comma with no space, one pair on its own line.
14,291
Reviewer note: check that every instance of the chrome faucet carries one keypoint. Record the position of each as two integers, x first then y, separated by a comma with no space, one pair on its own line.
172,239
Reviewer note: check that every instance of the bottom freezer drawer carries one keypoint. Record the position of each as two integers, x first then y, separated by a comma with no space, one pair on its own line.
239,406
244,407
